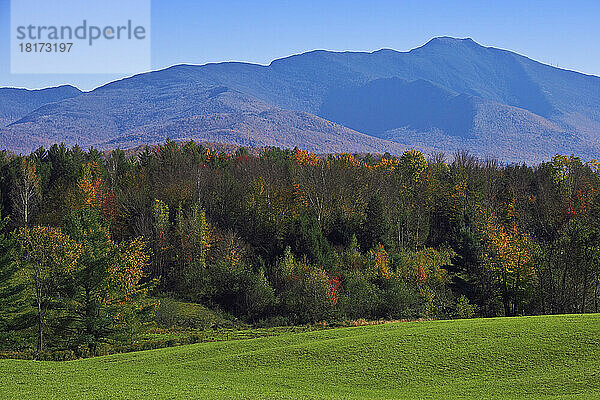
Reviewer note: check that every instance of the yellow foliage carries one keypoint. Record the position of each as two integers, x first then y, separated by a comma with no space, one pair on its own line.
510,251
378,261
349,160
126,273
47,250
90,186
387,164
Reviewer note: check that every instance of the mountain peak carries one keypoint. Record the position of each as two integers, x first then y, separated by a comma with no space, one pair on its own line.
452,41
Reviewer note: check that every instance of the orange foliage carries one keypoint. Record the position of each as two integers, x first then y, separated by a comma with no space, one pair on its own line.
579,204
421,274
303,157
93,193
386,164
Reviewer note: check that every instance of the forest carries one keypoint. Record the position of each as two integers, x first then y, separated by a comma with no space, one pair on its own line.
92,241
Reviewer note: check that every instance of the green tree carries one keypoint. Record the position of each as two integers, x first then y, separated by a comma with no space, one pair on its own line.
161,225
374,227
98,254
193,232
108,298
14,313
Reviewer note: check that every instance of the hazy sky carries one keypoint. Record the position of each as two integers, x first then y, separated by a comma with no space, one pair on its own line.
563,33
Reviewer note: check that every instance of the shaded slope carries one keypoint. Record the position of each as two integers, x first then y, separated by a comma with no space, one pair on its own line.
499,131
385,104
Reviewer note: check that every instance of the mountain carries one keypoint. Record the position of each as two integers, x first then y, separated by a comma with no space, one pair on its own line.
16,103
446,95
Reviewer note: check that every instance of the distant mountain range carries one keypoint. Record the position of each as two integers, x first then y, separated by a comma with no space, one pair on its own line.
446,95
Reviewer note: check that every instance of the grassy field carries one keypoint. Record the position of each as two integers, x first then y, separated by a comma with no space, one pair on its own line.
502,358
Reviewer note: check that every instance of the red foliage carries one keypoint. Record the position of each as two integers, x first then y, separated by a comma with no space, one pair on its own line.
421,274
109,208
335,286
579,203
243,159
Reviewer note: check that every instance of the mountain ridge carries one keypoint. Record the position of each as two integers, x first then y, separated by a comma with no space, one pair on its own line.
455,90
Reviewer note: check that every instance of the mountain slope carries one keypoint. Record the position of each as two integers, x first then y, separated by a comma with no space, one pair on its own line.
215,114
389,103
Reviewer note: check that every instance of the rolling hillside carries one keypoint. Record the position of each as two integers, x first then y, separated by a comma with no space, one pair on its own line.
507,358
446,95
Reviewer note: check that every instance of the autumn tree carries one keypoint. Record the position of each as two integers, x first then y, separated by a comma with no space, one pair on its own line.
48,261
98,254
411,200
126,295
72,274
107,281
510,254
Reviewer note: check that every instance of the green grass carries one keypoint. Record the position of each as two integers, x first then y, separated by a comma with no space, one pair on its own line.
171,312
502,358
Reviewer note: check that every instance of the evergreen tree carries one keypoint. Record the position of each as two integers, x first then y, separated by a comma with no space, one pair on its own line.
14,313
91,323
374,227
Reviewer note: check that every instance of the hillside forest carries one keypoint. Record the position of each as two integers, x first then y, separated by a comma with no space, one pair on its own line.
91,242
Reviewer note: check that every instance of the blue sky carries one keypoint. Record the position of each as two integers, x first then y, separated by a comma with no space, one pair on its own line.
563,33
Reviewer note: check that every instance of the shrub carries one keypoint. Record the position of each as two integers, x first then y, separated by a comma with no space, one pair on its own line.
400,301
464,309
361,298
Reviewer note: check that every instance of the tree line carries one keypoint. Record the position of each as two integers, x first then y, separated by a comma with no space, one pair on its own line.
90,239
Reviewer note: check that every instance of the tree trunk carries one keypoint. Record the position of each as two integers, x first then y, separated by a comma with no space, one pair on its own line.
505,298
40,341
584,294
596,296
563,290
516,300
